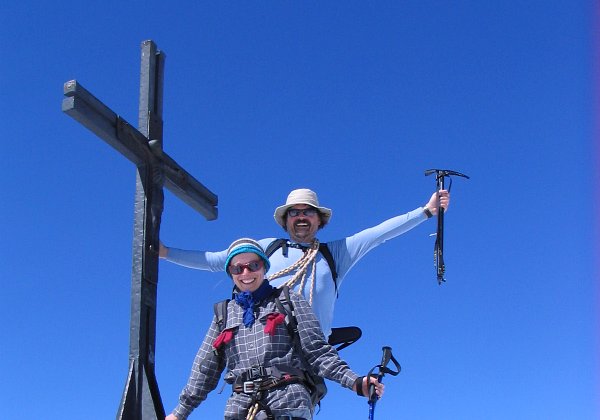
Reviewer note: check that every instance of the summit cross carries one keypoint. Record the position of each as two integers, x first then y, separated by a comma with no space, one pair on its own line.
155,170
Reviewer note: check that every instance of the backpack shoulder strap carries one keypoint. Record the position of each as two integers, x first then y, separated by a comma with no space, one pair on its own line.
316,384
324,250
285,306
275,245
220,309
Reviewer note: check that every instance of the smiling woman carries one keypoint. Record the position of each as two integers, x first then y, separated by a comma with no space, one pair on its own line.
268,366
246,264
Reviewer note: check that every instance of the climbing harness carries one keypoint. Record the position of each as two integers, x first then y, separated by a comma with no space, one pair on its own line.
257,380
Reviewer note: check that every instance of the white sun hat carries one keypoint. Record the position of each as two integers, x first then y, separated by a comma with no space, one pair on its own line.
301,196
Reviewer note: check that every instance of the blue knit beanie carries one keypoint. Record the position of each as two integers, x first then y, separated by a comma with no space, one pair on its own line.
243,245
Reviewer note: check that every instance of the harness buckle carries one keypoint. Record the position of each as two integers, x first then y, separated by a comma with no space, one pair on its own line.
249,387
256,371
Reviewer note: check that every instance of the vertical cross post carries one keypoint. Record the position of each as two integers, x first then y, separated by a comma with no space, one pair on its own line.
155,169
141,398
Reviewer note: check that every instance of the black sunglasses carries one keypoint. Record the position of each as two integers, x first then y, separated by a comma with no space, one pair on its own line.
306,212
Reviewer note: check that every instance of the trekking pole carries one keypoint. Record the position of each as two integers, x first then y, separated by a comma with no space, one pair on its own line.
438,251
383,369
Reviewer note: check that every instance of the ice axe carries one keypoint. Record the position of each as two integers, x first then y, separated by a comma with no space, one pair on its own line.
438,251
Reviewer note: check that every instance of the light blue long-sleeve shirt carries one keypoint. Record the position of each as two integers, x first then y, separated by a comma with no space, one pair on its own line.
346,252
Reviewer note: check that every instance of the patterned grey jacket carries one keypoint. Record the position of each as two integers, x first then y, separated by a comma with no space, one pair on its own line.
252,347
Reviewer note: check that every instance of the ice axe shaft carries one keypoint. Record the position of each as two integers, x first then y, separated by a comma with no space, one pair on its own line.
438,253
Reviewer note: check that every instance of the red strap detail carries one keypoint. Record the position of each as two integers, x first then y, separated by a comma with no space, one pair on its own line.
223,338
272,321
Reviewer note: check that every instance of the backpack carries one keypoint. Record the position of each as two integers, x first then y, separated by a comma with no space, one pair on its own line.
316,384
341,337
323,249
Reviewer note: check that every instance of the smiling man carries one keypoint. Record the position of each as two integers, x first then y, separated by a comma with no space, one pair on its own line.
302,261
302,222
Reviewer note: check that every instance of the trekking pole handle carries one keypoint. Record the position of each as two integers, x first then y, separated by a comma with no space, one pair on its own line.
385,359
383,369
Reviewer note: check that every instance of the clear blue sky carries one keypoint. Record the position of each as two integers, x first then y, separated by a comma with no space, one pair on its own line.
354,100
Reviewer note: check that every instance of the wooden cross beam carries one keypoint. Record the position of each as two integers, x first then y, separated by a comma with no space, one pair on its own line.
155,169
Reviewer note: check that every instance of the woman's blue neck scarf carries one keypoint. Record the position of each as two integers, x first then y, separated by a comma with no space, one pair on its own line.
247,300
